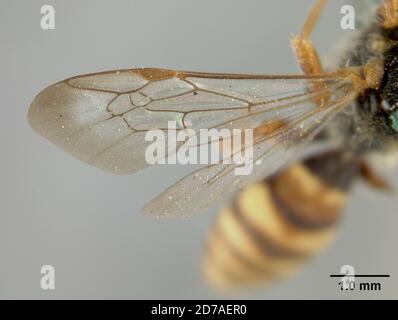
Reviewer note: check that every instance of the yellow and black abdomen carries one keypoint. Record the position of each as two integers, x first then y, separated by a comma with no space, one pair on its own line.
276,225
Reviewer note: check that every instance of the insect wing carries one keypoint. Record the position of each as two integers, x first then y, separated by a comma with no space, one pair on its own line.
103,119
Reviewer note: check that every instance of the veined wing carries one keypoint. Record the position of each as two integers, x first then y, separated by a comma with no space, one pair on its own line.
275,149
102,118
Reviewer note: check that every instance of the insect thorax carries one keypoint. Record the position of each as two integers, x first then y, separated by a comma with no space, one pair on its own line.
371,123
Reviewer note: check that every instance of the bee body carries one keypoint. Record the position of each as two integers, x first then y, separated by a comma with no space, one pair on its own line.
276,225
370,125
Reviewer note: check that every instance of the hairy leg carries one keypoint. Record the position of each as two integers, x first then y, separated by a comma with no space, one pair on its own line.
388,14
305,51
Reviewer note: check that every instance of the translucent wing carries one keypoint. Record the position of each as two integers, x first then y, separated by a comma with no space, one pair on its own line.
102,119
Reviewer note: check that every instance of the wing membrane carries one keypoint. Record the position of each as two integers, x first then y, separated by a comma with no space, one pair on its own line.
102,119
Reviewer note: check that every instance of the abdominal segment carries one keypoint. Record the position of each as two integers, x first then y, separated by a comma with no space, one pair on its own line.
276,225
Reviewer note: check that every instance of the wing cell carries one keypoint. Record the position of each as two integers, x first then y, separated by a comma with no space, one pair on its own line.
102,119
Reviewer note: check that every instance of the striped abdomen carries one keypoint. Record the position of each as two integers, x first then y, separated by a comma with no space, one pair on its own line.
276,225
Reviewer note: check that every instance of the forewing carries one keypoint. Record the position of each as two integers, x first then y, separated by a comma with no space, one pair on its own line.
103,118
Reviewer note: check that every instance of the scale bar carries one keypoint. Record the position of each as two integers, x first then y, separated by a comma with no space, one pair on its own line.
360,275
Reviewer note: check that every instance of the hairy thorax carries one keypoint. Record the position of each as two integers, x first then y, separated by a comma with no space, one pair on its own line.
370,125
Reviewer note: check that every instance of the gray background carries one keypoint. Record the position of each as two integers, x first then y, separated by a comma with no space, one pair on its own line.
86,223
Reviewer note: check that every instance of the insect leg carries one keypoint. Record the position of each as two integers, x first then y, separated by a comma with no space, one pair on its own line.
305,51
374,179
388,14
